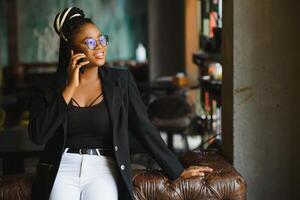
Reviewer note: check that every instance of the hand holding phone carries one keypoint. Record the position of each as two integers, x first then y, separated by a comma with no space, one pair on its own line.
76,63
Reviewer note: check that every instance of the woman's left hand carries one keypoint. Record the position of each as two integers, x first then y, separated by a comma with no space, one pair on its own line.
195,171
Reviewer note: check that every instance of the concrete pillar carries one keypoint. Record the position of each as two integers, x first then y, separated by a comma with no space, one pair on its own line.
261,95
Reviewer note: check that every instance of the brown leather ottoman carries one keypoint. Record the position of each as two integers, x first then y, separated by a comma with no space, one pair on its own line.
224,183
15,187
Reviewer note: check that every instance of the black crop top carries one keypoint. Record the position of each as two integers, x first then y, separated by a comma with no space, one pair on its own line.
89,127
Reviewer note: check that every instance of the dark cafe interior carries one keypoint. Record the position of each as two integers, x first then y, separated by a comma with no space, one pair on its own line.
219,81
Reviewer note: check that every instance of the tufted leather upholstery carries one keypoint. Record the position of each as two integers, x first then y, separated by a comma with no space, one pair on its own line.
15,187
224,183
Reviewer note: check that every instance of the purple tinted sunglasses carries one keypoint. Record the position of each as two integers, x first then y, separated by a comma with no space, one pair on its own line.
91,43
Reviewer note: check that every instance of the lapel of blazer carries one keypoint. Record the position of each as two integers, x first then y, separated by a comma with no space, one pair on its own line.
112,91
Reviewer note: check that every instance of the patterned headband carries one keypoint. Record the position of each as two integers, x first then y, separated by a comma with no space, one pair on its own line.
61,19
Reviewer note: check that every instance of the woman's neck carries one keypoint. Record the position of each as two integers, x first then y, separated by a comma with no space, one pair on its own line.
90,75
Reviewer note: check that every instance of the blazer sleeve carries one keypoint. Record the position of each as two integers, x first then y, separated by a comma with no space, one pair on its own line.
47,109
148,135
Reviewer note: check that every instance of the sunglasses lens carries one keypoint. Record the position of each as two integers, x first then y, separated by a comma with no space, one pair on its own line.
103,40
91,43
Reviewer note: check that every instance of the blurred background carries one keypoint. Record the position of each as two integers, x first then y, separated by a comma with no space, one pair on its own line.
214,75
158,41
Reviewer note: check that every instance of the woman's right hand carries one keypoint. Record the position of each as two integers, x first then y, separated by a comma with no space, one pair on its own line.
73,69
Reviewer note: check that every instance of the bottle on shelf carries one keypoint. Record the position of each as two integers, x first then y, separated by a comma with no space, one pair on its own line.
140,53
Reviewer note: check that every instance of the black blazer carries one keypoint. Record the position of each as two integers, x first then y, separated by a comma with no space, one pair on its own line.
128,115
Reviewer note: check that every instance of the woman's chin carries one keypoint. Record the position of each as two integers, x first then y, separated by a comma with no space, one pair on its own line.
100,62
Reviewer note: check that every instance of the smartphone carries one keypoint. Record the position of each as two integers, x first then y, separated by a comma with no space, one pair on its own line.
81,70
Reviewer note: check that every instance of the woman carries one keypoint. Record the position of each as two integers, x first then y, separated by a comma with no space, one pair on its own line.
85,118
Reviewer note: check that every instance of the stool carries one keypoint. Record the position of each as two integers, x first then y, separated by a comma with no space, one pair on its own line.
171,114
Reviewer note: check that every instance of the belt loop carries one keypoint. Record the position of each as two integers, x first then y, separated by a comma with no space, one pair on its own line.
98,152
66,150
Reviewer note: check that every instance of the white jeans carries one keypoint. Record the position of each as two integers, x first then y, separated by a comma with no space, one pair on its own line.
85,177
